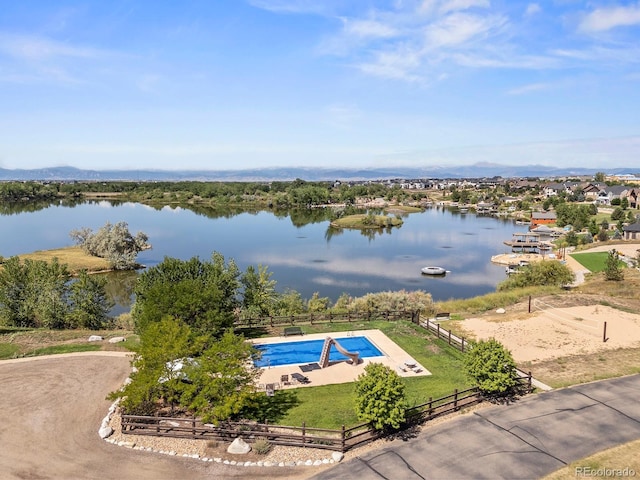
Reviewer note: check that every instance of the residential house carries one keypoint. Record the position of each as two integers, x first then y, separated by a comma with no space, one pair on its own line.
542,218
607,194
632,232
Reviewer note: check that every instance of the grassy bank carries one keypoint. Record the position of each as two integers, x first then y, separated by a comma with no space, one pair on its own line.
75,258
24,342
364,221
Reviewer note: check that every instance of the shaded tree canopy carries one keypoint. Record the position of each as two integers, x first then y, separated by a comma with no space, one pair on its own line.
203,295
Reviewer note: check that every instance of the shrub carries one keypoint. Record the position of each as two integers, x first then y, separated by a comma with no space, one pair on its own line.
262,446
491,366
380,397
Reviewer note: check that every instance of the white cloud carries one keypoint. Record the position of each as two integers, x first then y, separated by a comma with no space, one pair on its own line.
603,19
532,9
29,47
457,5
291,6
533,87
460,28
369,28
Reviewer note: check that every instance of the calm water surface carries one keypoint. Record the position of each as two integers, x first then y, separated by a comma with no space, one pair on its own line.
305,257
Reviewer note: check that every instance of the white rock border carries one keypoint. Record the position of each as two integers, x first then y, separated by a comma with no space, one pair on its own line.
105,431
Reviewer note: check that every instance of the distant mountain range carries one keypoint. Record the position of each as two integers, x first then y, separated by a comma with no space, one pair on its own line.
478,170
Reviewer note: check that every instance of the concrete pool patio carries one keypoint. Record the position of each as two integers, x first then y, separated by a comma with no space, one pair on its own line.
340,372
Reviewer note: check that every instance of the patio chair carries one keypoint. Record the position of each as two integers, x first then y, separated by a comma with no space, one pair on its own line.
300,378
284,379
270,388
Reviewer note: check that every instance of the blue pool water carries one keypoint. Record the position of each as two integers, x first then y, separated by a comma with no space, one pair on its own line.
308,351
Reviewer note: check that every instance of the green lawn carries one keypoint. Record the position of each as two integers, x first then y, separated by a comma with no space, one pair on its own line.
595,262
331,406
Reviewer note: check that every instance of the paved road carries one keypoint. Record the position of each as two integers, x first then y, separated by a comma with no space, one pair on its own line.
525,440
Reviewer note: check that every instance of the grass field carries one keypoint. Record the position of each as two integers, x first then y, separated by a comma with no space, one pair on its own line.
595,262
331,406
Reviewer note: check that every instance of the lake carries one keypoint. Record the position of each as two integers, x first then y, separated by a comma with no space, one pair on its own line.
299,248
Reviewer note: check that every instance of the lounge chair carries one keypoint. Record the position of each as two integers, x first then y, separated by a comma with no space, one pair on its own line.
300,378
270,388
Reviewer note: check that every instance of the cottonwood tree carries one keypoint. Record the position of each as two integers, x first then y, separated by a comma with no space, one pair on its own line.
114,243
259,295
33,293
221,383
202,294
154,378
491,366
380,397
89,304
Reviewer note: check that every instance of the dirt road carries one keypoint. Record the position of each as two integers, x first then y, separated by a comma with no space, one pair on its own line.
50,412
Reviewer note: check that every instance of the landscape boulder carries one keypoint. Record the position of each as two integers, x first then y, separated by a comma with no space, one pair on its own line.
501,310
95,338
239,446
116,339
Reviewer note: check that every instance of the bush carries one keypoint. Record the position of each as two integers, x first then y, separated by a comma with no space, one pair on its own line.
491,366
262,446
380,397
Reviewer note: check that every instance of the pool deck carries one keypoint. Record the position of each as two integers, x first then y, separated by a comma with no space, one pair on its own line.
340,372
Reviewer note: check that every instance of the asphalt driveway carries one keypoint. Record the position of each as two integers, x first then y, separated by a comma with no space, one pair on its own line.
526,440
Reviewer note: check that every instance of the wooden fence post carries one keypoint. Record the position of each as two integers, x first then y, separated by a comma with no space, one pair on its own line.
304,432
455,399
462,338
430,405
530,382
193,427
449,337
343,443
438,330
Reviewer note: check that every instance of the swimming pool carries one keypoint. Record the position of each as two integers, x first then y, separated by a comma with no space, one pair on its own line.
308,351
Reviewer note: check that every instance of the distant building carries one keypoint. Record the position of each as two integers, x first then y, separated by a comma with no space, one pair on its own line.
542,218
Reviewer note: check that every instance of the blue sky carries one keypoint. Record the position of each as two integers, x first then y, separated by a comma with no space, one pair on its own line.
233,84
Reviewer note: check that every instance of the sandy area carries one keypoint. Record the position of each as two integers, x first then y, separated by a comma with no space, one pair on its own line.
548,332
559,332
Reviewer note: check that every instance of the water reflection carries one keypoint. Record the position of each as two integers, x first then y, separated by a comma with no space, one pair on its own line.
299,247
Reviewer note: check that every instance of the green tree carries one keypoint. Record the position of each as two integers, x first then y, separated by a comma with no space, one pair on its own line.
380,397
114,243
88,302
155,377
599,177
491,366
545,272
34,293
221,384
617,214
259,294
204,295
613,270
